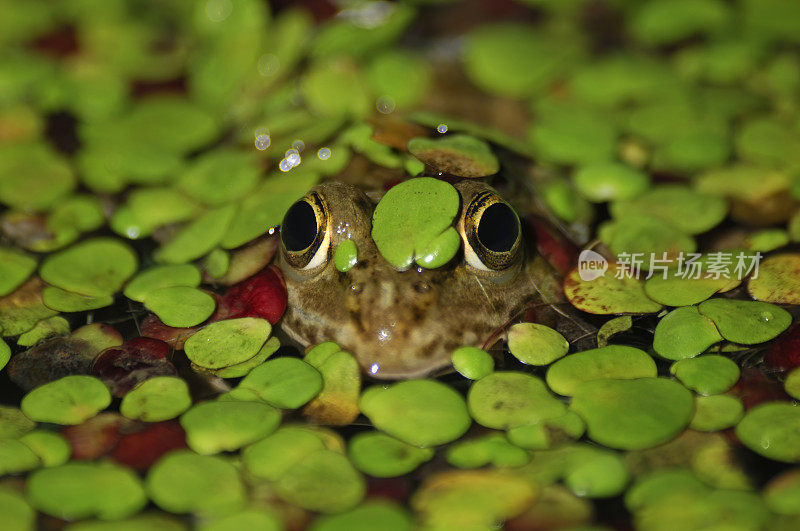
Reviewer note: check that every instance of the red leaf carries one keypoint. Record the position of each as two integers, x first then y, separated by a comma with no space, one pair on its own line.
141,449
263,295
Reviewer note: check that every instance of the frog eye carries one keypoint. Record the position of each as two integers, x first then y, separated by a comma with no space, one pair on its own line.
492,233
304,233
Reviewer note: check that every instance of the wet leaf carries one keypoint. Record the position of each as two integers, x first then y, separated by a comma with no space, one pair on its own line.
158,277
68,400
536,344
772,429
412,217
608,294
746,322
35,177
275,455
706,375
568,134
217,426
655,410
185,482
472,362
684,333
263,295
23,308
19,515
81,490
612,327
457,154
346,256
220,176
141,449
198,237
781,493
371,514
717,412
614,361
419,412
15,268
156,399
44,329
380,455
493,449
51,448
95,267
180,306
61,300
17,457
138,359
610,181
324,481
225,343
285,383
337,402
778,280
505,400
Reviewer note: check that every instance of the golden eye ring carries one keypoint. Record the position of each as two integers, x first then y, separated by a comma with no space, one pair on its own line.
304,232
492,231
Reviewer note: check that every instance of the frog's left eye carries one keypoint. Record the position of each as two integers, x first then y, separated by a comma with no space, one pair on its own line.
492,233
304,233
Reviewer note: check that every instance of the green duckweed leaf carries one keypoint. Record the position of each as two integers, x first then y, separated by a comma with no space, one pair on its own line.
547,433
220,176
612,327
225,343
684,333
419,412
68,400
34,176
335,87
346,256
472,362
148,208
536,344
782,493
227,425
324,481
5,353
17,457
337,402
156,399
594,472
792,384
401,76
185,482
96,267
706,375
15,268
382,456
158,277
14,423
778,280
505,400
286,383
493,449
217,263
411,216
50,447
241,369
462,155
746,322
614,361
647,236
716,412
667,21
198,237
276,455
61,300
772,429
262,519
569,134
609,181
614,292
180,306
18,514
766,240
670,203
52,326
655,410
84,489
372,514
172,123
674,290
659,483
23,308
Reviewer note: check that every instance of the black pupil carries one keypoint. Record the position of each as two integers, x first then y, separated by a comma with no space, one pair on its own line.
498,228
299,227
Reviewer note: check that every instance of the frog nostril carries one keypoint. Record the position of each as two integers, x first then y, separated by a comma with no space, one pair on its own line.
422,287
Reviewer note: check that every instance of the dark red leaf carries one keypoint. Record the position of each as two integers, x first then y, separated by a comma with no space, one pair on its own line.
141,449
262,295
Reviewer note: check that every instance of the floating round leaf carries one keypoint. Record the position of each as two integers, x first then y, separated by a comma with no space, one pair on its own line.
22,309
594,472
654,411
412,215
256,519
778,280
505,400
95,267
782,493
324,481
50,447
746,322
15,268
706,375
156,399
198,237
566,133
337,402
345,256
68,400
461,155
286,383
372,514
336,88
83,489
185,482
645,236
241,369
19,516
161,277
472,362
227,425
46,328
228,342
670,203
492,449
275,455
66,301
16,457
673,289
613,361
684,333
660,483
220,176
772,429
616,291
536,344
180,306
547,433
14,423
5,353
792,384
34,176
609,181
382,456
717,412
419,412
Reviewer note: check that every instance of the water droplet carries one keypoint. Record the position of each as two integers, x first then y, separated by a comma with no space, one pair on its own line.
268,65
323,153
766,316
442,128
218,10
385,104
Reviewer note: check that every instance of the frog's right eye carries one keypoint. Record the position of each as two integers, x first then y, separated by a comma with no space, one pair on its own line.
304,233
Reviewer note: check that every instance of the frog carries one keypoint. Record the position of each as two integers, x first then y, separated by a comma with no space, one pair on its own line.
405,324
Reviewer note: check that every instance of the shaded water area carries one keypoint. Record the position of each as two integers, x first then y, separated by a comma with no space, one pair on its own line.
340,265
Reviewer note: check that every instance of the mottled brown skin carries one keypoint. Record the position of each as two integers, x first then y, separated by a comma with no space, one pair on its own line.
404,324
